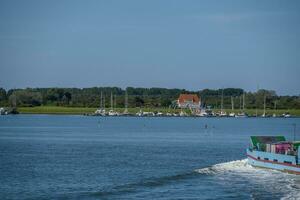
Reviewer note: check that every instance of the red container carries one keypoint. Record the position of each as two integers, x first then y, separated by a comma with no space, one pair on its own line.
283,147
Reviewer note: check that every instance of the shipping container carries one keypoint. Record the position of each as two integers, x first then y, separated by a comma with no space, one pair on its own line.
283,147
296,144
268,147
273,148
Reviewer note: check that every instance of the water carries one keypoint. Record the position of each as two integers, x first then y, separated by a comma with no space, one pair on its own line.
79,157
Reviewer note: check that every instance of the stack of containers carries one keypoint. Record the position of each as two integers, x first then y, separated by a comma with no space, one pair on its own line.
282,147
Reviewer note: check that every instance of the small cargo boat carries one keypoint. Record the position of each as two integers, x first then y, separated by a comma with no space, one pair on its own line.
274,152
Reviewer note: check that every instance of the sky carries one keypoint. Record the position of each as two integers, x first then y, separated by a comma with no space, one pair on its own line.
172,44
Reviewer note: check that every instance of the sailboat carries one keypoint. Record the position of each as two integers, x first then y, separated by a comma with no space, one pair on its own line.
242,113
101,110
222,113
264,114
126,104
112,112
232,114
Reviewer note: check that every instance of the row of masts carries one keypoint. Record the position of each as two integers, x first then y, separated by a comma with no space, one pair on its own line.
242,104
113,102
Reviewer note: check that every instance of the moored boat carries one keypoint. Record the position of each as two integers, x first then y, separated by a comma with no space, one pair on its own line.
274,152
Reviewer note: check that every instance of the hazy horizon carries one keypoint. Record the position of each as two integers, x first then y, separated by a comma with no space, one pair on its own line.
190,45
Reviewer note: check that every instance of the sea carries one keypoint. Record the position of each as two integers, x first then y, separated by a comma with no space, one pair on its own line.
86,157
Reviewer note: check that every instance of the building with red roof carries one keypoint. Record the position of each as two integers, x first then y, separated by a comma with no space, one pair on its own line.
188,101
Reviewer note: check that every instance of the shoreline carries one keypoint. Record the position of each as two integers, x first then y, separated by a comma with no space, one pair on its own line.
58,110
135,116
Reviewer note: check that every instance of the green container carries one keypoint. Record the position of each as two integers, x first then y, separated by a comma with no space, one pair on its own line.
296,144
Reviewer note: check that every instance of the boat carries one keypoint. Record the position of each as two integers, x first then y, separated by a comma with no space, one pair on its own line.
222,112
286,115
159,114
242,114
201,113
232,114
140,113
175,114
3,111
264,114
274,152
169,114
113,113
182,114
126,113
209,112
101,110
113,105
148,114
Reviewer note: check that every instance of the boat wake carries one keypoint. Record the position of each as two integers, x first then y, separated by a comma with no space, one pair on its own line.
240,166
231,176
255,178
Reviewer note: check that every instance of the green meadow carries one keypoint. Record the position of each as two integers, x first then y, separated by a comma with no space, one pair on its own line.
83,110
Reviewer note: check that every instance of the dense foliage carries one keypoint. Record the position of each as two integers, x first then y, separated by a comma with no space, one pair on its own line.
142,97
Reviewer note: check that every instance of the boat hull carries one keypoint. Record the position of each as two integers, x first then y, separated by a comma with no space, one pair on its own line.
273,161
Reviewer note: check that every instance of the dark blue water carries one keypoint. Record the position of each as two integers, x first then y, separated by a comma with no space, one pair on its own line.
79,157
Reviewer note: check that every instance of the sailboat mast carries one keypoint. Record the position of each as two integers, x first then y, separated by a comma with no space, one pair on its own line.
243,102
111,101
101,98
104,102
232,104
222,101
115,101
126,101
265,105
240,103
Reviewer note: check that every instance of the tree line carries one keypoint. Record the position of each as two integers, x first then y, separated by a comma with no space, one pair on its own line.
143,97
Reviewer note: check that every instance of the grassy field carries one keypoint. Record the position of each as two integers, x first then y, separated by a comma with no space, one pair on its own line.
55,110
82,110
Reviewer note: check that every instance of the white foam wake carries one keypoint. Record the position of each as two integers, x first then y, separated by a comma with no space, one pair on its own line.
240,166
288,184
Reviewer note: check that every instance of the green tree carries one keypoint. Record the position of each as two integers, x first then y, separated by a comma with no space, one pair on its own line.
25,98
139,102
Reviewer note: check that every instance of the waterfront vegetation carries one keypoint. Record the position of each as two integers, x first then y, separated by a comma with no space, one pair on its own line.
55,110
87,100
84,110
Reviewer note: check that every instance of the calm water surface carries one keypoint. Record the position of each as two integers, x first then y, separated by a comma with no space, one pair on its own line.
78,157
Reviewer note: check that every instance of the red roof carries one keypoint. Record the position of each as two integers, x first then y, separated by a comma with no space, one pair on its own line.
188,97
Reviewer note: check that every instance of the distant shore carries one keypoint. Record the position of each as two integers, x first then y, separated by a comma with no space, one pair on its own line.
86,110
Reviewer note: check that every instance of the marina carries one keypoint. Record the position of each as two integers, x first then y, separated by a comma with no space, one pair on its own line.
188,105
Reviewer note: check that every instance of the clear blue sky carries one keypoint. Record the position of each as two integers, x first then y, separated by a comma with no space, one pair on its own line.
174,44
